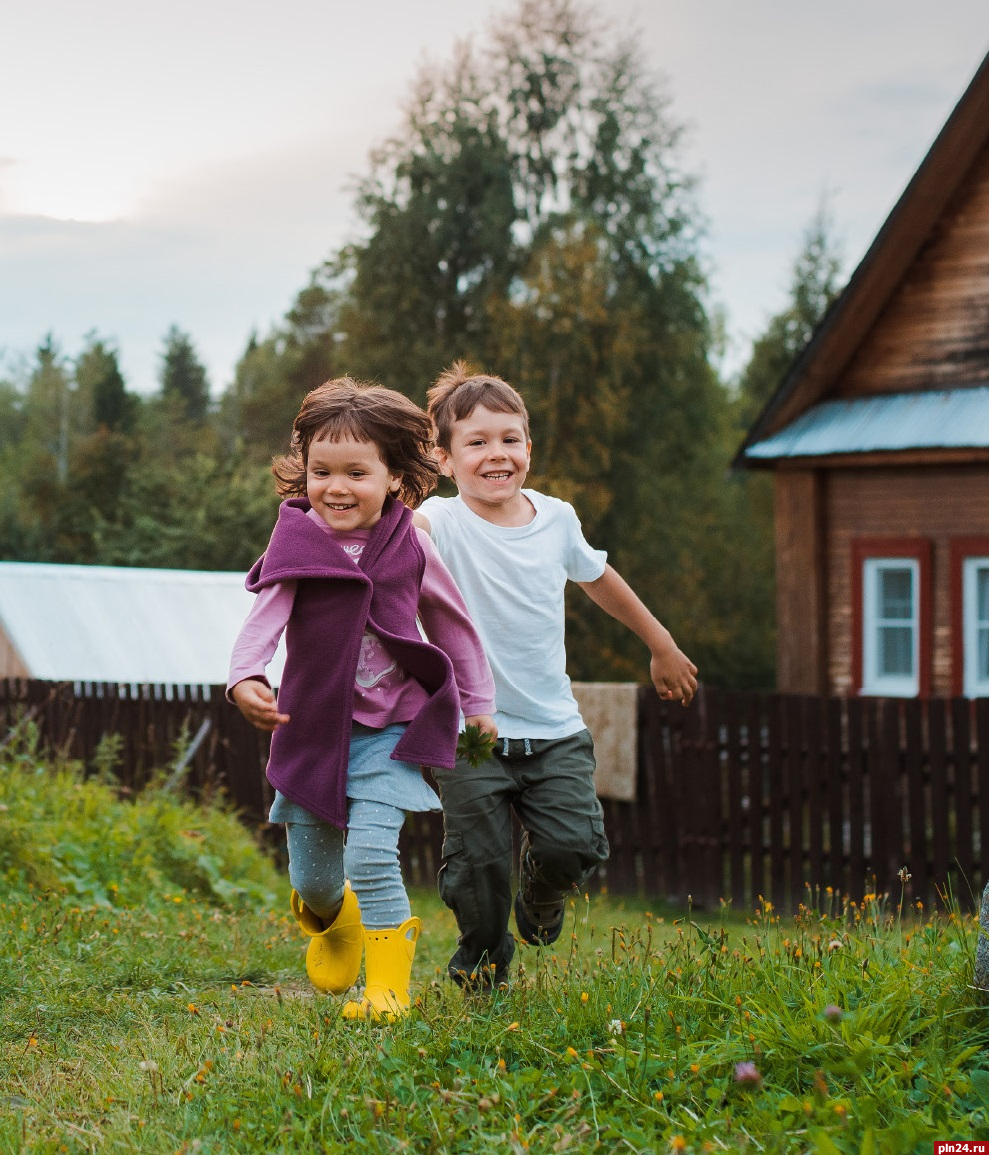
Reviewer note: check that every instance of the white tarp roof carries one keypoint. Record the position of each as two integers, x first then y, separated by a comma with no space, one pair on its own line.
120,624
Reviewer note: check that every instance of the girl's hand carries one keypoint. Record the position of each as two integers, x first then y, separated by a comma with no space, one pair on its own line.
256,702
478,739
485,723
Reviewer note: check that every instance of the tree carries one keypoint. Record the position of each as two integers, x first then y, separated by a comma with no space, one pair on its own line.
100,381
183,377
814,286
274,375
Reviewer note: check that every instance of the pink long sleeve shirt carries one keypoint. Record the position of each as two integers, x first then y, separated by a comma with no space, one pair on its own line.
383,693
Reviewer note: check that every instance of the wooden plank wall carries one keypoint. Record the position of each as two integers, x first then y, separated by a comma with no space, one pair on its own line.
934,331
936,503
740,797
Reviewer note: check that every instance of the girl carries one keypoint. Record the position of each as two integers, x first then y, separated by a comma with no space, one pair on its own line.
364,700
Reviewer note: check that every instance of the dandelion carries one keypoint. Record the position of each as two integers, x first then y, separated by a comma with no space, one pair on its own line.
658,1096
678,1143
148,1065
571,1052
584,996
747,1074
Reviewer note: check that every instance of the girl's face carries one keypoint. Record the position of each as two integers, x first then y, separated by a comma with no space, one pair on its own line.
347,483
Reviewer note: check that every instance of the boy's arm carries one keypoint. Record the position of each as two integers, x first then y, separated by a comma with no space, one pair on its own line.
673,674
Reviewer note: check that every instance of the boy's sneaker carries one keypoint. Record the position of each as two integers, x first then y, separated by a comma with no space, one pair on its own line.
539,925
539,916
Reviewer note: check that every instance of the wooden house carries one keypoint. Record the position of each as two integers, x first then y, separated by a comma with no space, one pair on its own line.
878,439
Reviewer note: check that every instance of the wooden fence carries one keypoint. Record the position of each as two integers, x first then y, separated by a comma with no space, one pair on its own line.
741,796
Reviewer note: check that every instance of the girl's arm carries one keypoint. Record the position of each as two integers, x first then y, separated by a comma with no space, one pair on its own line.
247,686
673,674
447,623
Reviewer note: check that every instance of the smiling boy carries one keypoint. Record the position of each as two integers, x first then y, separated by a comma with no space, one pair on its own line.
511,551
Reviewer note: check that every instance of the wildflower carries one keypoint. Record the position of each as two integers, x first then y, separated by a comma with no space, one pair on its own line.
678,1143
512,1027
832,1013
695,1068
616,1026
148,1065
571,1052
747,1073
584,996
904,875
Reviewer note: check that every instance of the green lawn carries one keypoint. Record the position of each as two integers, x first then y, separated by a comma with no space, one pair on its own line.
154,999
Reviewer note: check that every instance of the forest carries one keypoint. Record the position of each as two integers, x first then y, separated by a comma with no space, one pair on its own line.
530,215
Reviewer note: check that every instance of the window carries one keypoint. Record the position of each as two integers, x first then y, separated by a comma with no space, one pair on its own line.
891,617
890,641
975,615
970,616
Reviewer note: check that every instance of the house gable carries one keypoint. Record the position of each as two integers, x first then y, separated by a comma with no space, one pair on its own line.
934,330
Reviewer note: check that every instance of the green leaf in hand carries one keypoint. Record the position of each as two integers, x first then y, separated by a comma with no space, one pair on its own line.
475,745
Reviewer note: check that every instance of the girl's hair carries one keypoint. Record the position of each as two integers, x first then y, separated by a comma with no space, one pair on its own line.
457,393
343,407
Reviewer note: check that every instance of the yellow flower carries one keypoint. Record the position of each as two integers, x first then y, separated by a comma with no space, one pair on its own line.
584,996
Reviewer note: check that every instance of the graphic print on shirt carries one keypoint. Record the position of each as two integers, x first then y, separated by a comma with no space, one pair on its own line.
375,663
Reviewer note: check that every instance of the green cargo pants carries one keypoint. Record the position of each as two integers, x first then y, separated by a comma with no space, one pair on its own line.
549,784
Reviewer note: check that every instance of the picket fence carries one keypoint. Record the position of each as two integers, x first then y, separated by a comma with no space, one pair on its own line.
740,797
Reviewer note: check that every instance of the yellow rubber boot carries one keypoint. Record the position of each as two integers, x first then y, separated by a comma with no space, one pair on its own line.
388,956
333,959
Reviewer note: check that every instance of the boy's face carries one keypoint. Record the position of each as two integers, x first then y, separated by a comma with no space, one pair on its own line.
488,458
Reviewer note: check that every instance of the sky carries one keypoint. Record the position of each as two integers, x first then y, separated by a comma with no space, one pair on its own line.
191,162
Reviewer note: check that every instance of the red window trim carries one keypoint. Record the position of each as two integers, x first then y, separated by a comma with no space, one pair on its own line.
961,548
917,549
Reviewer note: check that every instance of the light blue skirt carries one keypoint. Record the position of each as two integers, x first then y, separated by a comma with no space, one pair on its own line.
372,775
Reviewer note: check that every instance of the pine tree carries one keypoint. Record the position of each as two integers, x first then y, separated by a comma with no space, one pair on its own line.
183,376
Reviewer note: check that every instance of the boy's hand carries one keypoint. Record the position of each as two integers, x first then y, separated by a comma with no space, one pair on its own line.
674,675
478,739
256,702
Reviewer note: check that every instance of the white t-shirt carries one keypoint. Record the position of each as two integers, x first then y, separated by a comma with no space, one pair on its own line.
512,579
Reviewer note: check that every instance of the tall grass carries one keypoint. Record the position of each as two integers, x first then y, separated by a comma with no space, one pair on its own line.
154,999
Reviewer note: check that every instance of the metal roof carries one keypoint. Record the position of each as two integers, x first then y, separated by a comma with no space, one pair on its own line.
117,624
939,419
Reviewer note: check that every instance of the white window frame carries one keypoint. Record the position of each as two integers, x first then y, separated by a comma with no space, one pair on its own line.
874,683
973,685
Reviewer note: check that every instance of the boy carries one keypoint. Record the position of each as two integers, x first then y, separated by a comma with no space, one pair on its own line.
511,551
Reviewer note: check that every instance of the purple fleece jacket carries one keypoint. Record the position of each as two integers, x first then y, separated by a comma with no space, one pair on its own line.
334,602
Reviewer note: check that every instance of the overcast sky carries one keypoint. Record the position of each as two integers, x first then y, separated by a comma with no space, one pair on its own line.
189,162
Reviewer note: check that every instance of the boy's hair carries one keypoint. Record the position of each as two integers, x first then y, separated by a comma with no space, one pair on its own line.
344,407
458,392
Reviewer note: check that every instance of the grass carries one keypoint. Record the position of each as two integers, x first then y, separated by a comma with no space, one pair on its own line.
154,999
